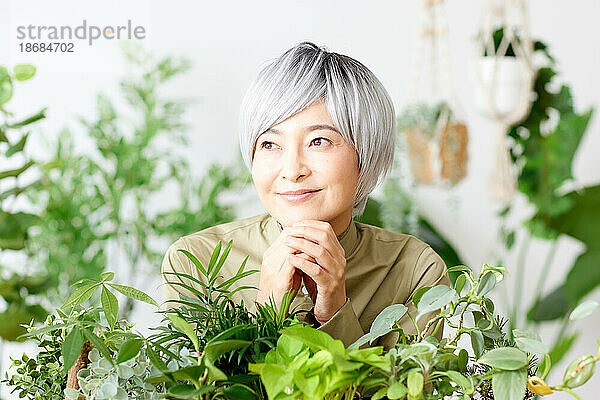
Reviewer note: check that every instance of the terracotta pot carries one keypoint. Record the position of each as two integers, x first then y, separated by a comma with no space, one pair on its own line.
419,152
453,152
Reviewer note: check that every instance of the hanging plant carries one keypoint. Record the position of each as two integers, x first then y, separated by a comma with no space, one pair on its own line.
437,143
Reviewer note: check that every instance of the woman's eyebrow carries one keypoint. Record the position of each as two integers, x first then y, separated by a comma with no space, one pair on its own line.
309,128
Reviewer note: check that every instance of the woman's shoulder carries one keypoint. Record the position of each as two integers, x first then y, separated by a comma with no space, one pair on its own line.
381,235
231,228
203,242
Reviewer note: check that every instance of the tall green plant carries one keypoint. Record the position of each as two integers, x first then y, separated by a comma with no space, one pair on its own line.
543,149
20,287
99,204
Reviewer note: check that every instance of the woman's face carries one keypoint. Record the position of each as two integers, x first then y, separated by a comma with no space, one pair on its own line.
306,152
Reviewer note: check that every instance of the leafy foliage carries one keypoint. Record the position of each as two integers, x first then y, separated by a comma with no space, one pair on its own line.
211,348
19,290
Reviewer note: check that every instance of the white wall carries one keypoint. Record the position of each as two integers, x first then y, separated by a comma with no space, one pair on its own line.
228,42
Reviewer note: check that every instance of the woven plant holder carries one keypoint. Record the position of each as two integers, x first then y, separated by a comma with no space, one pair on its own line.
81,362
453,152
419,152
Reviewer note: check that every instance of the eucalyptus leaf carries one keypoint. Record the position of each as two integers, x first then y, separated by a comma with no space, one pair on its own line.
509,385
435,298
507,358
477,342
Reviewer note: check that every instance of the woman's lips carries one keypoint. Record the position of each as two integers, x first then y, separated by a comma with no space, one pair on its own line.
297,198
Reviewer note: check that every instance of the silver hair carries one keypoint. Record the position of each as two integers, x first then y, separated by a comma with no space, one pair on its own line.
357,102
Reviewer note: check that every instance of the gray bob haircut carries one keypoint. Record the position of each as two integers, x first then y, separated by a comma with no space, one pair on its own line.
357,102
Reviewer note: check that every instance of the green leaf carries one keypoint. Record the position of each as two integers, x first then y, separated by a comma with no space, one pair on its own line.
529,342
80,295
238,391
459,284
435,298
129,349
182,390
487,283
213,258
464,382
17,147
386,319
13,173
414,382
107,276
71,347
99,344
552,306
396,390
509,385
416,297
217,268
29,120
110,304
186,328
155,358
6,87
584,309
24,72
584,275
477,342
316,340
195,261
133,293
508,358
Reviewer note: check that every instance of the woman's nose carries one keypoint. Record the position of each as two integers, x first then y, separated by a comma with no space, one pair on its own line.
293,165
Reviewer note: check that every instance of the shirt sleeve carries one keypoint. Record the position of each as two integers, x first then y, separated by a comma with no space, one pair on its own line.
430,270
344,325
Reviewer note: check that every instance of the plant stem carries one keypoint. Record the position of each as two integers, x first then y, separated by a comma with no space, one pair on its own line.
572,393
519,280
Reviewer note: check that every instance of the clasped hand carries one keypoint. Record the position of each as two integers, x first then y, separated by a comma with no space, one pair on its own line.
310,251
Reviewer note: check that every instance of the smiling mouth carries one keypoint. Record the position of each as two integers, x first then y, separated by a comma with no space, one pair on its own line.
295,198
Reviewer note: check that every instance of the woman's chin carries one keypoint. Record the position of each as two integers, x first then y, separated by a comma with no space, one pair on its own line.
289,218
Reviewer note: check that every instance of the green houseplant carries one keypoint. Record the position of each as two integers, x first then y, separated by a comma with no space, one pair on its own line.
210,348
543,148
20,288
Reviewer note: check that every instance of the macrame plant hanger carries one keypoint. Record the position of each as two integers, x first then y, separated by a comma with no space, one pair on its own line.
431,119
504,82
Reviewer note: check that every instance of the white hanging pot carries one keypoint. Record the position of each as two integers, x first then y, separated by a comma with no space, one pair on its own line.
500,83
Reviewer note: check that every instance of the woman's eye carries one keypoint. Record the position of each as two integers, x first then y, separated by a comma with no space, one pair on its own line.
320,139
266,143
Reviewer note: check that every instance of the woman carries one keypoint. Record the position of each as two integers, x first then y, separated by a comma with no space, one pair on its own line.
317,130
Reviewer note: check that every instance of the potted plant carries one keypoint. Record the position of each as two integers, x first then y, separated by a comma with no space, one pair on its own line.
437,143
210,348
502,75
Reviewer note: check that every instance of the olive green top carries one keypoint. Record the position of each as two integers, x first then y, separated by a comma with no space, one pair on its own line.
382,268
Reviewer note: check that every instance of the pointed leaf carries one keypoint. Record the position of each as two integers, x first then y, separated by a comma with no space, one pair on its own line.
129,349
133,293
80,295
71,347
110,304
